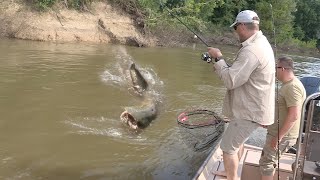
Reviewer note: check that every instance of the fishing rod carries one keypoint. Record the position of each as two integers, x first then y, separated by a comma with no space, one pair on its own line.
274,31
277,81
170,12
204,56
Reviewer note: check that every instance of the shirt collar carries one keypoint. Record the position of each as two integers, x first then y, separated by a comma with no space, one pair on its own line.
251,39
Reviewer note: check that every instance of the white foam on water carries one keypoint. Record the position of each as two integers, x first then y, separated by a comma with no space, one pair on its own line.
111,79
103,126
92,126
117,74
309,68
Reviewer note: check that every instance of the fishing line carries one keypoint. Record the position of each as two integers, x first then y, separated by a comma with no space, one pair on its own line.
277,94
170,12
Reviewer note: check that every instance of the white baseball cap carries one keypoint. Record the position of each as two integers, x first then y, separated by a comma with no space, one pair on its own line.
246,16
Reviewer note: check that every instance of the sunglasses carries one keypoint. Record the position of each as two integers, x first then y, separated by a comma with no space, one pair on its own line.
279,67
236,25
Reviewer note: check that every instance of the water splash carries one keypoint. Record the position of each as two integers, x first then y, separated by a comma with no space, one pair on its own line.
102,126
111,79
117,74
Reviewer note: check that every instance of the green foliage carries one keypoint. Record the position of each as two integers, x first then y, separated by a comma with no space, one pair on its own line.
76,4
204,9
307,18
79,4
284,19
226,11
296,42
150,5
44,4
293,20
223,12
174,3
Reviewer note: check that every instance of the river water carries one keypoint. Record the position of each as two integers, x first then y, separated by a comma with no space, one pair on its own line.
60,106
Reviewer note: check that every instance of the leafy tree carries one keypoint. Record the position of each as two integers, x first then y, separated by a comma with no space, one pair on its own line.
298,19
43,4
291,18
281,11
307,20
226,12
175,3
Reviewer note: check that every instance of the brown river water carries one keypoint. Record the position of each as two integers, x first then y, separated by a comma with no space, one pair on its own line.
60,106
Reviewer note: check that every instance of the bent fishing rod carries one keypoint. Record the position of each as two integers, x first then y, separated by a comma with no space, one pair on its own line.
170,12
205,56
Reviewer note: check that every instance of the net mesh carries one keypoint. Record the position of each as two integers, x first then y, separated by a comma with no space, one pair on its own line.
201,127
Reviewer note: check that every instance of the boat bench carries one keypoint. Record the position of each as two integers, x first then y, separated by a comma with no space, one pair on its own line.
250,169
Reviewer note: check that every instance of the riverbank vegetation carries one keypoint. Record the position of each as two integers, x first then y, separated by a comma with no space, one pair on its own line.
75,4
289,23
294,22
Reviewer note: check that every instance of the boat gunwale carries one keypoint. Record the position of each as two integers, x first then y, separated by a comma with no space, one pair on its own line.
203,165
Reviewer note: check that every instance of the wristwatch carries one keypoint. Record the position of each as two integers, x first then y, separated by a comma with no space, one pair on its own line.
218,58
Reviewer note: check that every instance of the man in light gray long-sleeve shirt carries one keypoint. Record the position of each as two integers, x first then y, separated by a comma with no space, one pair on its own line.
250,82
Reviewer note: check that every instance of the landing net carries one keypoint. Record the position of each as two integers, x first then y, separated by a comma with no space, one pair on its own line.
204,127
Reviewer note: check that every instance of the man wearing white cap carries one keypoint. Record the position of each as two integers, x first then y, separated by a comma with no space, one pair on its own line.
250,82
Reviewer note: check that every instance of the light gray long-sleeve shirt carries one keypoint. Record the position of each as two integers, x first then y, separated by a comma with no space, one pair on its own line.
250,82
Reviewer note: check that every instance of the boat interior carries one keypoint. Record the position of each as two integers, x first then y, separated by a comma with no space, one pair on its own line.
306,153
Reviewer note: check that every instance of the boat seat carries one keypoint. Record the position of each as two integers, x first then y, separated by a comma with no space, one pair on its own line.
310,170
250,169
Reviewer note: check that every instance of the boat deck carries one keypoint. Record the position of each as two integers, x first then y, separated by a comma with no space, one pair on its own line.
248,165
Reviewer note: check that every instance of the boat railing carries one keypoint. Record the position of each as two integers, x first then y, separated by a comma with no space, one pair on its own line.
300,159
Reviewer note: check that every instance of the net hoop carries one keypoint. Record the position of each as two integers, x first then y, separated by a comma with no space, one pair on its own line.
184,117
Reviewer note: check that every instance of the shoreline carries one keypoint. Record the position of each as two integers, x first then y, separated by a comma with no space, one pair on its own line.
102,24
105,24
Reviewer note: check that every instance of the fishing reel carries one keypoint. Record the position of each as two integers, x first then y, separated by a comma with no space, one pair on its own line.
206,57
